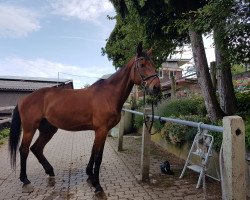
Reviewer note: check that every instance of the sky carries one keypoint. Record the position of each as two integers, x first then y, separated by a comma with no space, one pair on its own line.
188,68
60,38
51,38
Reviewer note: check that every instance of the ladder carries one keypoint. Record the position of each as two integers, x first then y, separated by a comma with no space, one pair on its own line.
201,147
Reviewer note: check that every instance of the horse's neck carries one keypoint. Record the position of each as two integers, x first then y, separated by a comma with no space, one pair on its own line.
122,86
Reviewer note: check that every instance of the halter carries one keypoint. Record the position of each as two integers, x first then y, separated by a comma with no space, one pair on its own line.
144,84
143,77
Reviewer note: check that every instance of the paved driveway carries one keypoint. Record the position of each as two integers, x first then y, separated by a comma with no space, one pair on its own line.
69,153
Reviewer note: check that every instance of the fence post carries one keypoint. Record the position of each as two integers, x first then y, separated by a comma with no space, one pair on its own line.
145,156
173,87
121,131
234,160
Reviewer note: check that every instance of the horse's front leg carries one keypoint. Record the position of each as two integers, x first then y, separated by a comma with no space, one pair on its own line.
89,169
96,160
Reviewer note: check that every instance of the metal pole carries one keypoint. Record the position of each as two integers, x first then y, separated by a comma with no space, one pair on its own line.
180,121
145,156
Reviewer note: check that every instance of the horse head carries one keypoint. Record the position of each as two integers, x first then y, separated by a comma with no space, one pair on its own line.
144,71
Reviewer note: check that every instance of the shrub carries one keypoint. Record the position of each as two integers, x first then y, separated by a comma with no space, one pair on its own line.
180,107
174,133
193,109
4,133
158,126
139,104
243,103
185,106
247,132
138,121
177,134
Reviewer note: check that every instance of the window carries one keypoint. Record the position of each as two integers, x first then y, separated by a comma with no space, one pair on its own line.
172,73
160,73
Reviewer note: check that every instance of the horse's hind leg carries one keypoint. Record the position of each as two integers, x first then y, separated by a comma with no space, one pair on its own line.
24,152
46,133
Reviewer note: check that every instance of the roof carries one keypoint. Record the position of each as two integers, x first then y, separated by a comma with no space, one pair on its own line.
179,62
180,82
16,83
178,59
174,69
106,76
35,79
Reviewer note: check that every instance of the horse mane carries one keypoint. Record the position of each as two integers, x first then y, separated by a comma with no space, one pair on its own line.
100,81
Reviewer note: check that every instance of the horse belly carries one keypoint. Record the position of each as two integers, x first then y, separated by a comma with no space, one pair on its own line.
71,121
79,128
69,112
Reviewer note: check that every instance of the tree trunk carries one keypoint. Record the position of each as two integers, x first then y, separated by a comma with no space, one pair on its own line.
224,75
213,74
204,79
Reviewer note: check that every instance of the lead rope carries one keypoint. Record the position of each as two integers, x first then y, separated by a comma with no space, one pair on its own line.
149,128
143,84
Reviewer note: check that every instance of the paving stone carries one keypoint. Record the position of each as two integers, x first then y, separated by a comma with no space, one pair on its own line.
69,154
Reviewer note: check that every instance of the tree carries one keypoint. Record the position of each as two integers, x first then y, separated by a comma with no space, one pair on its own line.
134,28
207,18
167,14
225,44
204,78
121,43
191,8
224,75
186,20
231,38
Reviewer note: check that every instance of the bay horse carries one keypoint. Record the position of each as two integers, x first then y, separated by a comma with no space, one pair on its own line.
97,108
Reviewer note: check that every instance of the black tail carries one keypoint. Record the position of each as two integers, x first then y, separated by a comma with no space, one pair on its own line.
15,132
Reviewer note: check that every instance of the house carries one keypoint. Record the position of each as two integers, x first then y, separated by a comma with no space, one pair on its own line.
12,88
170,68
184,87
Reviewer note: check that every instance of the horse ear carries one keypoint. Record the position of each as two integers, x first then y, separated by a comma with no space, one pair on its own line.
139,49
149,53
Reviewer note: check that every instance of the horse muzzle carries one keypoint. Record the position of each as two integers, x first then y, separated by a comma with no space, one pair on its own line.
154,90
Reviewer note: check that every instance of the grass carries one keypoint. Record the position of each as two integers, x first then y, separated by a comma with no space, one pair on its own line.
4,133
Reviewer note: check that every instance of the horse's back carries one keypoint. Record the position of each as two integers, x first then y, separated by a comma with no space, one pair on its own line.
35,98
43,94
32,107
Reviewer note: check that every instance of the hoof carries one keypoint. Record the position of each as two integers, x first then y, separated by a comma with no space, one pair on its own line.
51,180
98,190
27,188
90,181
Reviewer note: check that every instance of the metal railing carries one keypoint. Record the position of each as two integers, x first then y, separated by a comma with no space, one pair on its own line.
233,182
180,121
